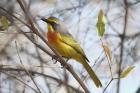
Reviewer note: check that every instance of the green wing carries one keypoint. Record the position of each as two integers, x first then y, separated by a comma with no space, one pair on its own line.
71,42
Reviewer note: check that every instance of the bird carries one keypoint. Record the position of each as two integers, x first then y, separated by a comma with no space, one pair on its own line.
63,42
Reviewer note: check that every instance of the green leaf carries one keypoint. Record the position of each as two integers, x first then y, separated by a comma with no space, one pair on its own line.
101,23
126,72
4,23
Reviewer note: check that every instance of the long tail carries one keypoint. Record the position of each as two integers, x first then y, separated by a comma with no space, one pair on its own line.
92,74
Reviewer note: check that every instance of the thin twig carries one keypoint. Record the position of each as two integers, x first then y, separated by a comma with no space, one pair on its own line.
108,85
30,75
40,74
122,43
14,76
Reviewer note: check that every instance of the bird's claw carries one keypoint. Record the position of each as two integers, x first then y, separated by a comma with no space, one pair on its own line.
56,58
67,58
62,66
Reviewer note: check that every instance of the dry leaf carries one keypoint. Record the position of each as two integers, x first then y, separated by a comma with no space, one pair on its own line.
108,52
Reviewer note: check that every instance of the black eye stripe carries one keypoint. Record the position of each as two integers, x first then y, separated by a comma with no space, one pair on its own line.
55,25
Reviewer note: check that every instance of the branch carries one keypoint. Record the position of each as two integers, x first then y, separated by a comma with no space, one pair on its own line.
40,74
122,43
62,61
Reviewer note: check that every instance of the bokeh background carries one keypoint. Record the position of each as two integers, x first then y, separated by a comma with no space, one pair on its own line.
24,68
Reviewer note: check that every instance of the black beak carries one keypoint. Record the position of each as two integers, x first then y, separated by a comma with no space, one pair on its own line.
45,20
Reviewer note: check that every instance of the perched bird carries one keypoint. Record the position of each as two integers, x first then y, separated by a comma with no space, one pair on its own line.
63,42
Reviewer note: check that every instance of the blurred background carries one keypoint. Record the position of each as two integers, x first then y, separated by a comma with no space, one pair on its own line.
24,68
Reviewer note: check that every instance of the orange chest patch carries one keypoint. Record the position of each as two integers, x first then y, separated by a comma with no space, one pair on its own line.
52,36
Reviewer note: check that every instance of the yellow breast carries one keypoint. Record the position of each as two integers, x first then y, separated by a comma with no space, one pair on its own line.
63,49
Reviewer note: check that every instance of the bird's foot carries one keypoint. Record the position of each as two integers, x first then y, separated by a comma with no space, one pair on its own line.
56,58
62,66
67,58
